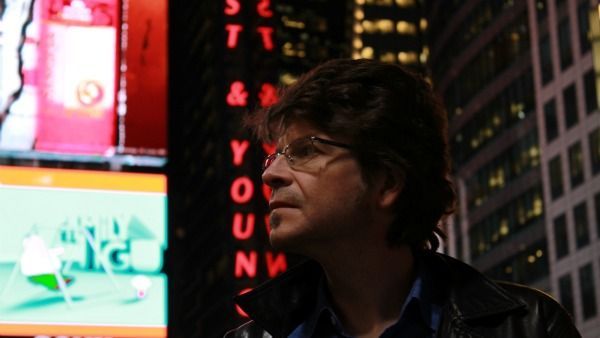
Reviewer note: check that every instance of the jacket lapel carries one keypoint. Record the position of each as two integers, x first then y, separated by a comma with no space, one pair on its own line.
280,304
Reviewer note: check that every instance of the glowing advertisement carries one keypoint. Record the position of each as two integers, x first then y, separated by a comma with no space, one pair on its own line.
77,58
83,77
81,253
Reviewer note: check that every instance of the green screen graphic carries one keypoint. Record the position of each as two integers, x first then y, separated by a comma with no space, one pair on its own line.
82,257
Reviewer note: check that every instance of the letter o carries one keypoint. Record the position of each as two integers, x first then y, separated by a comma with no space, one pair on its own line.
242,190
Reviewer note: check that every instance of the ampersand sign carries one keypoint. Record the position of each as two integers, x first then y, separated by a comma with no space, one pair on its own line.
237,96
267,95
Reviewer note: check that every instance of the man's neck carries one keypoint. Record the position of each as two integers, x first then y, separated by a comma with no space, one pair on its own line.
368,286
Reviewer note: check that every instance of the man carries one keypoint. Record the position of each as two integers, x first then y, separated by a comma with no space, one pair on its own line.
360,184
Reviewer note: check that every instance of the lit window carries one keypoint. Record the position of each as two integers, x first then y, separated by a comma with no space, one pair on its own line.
287,22
359,14
287,79
367,53
360,2
405,3
380,2
368,26
385,26
538,206
504,229
388,57
356,55
288,49
358,28
423,24
405,27
407,57
357,43
424,55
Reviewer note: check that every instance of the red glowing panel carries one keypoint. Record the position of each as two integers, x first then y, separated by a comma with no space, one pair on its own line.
146,75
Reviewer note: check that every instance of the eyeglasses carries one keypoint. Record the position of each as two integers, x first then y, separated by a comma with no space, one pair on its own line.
299,152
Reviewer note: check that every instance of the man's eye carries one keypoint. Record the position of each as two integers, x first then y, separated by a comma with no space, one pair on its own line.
303,151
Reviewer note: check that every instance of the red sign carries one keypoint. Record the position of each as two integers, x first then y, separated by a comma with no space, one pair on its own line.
249,259
146,77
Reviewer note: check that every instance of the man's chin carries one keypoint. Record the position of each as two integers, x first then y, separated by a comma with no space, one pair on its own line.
282,241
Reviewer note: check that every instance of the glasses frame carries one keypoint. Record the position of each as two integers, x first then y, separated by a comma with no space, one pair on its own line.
269,159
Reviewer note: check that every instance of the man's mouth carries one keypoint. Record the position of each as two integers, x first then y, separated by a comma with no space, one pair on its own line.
279,204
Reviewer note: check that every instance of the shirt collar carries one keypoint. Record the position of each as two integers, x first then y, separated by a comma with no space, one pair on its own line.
422,293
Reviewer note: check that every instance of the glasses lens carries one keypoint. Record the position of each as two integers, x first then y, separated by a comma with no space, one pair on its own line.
300,152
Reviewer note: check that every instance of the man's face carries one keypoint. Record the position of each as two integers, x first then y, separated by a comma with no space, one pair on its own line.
318,202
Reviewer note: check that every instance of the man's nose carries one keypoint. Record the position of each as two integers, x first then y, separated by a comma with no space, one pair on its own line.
278,173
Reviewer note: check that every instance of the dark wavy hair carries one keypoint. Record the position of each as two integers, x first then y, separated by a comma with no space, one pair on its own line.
393,120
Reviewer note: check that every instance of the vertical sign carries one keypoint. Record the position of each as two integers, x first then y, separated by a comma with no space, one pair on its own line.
249,50
77,75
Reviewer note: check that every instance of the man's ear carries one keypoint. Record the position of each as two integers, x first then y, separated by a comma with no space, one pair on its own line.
391,187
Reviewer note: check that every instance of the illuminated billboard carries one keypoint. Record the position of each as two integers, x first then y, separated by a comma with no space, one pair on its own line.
83,77
81,253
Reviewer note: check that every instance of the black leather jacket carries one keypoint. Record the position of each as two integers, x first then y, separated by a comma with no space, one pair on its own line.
475,305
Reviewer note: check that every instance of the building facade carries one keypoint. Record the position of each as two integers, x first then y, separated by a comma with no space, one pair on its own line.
569,135
518,82
391,31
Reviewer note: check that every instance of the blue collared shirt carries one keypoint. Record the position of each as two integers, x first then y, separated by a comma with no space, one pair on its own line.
420,315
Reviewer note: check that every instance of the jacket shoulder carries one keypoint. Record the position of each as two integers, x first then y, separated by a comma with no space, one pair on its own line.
248,330
543,306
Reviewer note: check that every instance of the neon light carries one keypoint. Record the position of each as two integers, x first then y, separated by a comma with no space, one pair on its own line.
246,264
267,37
238,149
232,7
267,95
269,148
240,231
275,265
242,190
237,96
233,31
266,190
262,8
268,224
239,309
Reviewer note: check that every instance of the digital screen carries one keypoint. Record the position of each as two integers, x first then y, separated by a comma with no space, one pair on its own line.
81,253
81,78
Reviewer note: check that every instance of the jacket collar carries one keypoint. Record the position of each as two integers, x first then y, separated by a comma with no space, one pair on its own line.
471,295
281,304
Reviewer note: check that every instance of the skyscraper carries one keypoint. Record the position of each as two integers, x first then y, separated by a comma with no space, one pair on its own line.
518,83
